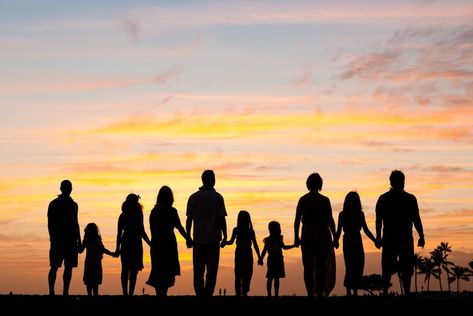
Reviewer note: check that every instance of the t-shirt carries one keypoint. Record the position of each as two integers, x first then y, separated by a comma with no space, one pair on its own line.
206,207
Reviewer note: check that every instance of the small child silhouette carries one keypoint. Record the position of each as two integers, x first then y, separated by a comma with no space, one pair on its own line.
93,258
273,245
245,237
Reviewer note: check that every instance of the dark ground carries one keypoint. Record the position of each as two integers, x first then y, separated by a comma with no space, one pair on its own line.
431,304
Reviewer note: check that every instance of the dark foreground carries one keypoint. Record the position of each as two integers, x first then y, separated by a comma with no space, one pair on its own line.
230,305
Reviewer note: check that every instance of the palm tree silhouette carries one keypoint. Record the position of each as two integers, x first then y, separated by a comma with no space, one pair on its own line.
445,249
417,267
437,257
428,268
460,273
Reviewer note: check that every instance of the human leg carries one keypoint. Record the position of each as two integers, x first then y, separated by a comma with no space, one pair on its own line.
213,257
198,260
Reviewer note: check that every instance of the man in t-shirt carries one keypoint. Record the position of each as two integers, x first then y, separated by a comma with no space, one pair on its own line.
206,210
396,212
64,236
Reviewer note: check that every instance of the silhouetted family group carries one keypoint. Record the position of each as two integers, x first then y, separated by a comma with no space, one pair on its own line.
396,212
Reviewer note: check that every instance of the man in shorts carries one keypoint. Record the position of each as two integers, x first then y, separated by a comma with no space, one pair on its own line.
64,236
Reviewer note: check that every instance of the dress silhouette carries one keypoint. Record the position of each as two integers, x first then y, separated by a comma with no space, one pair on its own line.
129,245
245,236
351,220
318,227
64,236
273,246
164,254
206,211
396,212
93,258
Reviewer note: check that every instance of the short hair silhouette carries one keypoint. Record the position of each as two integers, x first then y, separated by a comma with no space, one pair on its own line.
66,186
208,178
314,181
165,196
397,179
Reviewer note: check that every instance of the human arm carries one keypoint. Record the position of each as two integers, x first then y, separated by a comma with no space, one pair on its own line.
182,231
297,223
263,253
76,225
336,238
223,228
366,229
379,222
144,235
188,231
255,243
108,252
232,239
119,235
418,225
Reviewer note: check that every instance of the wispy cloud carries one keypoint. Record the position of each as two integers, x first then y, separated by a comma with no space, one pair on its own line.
54,85
131,27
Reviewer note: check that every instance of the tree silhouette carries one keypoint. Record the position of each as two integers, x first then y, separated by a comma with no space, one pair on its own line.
445,249
460,273
437,257
428,268
418,259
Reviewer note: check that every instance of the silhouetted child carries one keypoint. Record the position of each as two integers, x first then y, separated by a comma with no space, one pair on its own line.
273,245
351,220
245,236
93,258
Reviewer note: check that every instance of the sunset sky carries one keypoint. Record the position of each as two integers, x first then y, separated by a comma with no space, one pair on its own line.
127,96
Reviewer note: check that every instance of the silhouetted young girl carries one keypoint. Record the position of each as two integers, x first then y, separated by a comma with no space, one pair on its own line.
351,220
245,236
273,245
93,258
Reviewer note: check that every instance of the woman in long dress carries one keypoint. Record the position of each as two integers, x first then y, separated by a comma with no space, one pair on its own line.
164,254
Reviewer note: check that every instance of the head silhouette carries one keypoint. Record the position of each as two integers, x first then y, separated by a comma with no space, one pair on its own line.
208,179
244,220
314,182
91,231
132,204
274,229
165,196
352,203
66,187
397,180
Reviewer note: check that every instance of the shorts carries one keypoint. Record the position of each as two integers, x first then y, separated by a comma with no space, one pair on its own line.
60,252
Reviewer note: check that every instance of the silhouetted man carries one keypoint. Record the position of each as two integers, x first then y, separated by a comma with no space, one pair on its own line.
64,236
396,211
206,209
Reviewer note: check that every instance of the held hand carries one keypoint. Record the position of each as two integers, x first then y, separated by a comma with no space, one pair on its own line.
223,243
260,262
297,241
378,244
115,254
335,244
421,242
189,243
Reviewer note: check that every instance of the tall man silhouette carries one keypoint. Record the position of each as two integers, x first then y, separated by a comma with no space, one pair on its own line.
64,236
206,209
396,212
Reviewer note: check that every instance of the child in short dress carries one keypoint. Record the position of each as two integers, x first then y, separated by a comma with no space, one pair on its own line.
273,245
93,258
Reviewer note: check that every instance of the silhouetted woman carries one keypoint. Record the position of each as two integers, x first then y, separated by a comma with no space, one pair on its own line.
95,249
351,220
164,254
318,226
274,245
129,245
245,236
